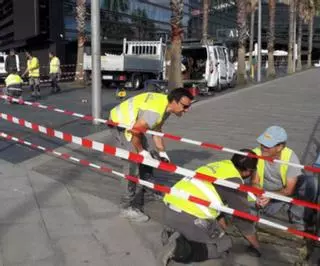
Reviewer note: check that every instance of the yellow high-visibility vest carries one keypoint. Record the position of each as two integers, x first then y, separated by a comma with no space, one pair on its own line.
127,112
202,189
54,65
34,67
285,156
13,79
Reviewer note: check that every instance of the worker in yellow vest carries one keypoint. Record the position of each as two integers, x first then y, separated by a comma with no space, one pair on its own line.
283,179
13,85
54,72
191,226
142,112
33,71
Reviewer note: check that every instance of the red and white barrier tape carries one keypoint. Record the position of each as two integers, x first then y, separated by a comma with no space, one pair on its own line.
163,135
165,189
137,158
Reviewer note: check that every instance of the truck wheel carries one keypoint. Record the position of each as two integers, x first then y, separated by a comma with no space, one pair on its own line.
136,82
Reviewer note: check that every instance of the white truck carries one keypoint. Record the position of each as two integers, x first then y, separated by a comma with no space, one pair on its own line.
138,61
206,66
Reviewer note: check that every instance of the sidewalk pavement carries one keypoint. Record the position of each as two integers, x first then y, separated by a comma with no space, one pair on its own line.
58,213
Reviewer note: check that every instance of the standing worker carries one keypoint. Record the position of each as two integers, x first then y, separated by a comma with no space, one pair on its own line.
142,112
33,71
13,85
54,72
191,226
12,64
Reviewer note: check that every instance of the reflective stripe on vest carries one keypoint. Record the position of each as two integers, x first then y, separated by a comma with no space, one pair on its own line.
54,65
203,190
285,156
127,112
13,79
34,63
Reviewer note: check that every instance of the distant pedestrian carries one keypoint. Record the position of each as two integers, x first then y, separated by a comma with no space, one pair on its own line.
54,72
13,85
33,71
12,63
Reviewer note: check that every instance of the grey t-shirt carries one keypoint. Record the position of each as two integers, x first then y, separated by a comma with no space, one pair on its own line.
272,174
151,117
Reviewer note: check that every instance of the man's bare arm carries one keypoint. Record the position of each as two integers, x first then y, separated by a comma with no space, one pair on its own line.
288,190
158,141
137,131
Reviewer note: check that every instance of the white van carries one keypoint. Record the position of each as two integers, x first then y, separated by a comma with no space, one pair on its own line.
207,66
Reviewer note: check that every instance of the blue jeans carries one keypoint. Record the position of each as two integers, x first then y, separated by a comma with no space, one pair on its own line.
306,190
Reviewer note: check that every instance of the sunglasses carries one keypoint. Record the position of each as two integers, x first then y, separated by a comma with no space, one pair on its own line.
185,106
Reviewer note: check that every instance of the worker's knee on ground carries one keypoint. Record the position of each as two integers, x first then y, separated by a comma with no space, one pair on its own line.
183,251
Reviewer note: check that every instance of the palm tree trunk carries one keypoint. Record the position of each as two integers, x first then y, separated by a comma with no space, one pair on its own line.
81,23
252,17
175,77
205,20
299,64
310,39
271,72
242,29
290,44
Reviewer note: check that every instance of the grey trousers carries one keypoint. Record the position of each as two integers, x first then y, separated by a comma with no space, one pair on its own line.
305,190
133,194
34,84
54,82
200,239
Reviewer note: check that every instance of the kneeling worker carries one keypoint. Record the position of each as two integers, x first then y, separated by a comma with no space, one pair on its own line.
190,223
13,85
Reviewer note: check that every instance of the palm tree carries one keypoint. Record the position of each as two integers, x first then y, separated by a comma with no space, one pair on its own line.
271,72
242,32
81,26
302,17
175,77
205,20
312,12
292,7
252,10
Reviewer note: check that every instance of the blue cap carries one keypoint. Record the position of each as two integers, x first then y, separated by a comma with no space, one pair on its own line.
273,136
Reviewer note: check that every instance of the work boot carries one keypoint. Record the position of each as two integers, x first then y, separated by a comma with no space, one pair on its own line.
168,251
134,215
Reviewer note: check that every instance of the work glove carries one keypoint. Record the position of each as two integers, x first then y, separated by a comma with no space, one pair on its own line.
164,156
146,154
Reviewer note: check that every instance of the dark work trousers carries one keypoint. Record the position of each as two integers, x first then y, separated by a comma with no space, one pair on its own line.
133,194
206,242
54,82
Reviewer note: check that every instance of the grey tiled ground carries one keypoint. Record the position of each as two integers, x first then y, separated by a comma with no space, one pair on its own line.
58,213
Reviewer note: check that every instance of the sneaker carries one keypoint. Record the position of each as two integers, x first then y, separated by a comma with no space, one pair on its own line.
33,94
134,215
168,250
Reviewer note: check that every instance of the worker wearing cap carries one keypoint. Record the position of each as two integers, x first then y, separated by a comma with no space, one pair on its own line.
193,229
283,179
142,112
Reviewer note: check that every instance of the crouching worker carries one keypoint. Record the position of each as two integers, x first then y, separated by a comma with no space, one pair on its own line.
190,226
13,85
